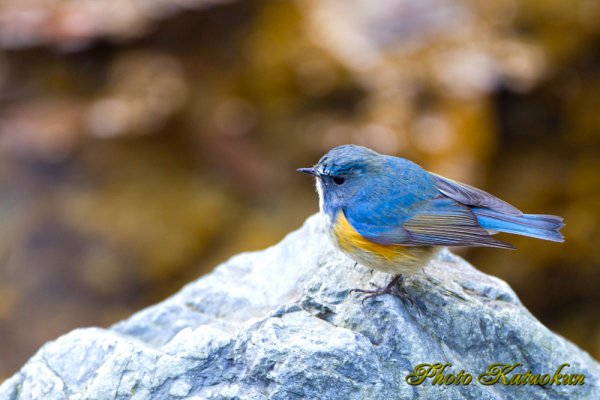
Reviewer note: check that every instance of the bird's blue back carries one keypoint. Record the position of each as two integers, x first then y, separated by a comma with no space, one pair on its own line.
392,197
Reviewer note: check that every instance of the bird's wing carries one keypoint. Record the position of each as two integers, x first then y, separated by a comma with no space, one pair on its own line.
437,222
472,196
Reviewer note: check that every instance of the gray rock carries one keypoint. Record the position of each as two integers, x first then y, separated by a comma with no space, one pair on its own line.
281,324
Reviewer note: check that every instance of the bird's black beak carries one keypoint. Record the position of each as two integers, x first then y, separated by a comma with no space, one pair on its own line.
309,171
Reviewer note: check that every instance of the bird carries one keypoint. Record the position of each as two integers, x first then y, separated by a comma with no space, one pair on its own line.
389,214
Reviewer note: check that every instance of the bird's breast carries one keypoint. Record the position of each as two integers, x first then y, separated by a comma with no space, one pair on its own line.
392,259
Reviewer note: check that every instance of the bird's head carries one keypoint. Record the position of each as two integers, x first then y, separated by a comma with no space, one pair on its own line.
342,173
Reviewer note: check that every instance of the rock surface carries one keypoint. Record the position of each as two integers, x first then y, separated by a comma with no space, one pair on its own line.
281,324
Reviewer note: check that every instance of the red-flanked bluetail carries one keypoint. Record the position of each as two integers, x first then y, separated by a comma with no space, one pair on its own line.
389,214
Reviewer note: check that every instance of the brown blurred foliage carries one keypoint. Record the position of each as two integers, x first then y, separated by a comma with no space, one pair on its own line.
141,143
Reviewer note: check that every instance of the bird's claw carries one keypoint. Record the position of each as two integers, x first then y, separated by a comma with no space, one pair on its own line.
390,288
378,291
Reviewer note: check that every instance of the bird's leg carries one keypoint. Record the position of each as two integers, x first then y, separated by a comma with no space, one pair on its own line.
396,280
379,291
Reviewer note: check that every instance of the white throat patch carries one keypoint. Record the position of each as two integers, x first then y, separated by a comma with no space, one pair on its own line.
321,197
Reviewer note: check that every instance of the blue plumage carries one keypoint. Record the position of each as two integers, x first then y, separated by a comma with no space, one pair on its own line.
392,203
539,226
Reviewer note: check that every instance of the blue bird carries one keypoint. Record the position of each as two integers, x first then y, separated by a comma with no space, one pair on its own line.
389,214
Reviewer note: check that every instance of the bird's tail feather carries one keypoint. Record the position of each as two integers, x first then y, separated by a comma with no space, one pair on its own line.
546,227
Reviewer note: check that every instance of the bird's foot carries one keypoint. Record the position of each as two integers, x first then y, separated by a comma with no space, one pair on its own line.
390,288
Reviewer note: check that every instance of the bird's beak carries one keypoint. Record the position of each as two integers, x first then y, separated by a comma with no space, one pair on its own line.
310,171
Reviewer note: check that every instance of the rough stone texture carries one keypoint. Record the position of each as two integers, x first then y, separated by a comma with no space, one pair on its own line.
281,324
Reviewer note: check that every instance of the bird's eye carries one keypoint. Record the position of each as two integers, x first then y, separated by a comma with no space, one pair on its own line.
339,180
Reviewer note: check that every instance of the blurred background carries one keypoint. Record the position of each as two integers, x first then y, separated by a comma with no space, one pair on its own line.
144,142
